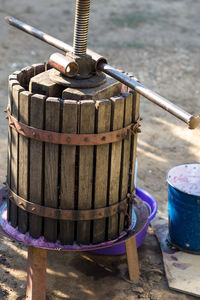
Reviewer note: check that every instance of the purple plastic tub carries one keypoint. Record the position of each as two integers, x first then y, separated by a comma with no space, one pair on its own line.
119,248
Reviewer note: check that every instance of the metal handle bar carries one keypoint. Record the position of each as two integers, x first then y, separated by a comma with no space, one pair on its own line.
101,64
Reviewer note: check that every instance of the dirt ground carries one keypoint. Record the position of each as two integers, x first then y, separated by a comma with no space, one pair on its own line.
159,42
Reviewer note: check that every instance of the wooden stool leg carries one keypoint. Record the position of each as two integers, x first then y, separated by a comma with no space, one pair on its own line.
36,274
132,259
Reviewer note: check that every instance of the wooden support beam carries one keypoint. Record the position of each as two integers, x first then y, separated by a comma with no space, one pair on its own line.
132,259
36,274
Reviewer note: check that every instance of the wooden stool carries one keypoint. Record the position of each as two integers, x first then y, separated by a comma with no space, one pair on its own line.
37,262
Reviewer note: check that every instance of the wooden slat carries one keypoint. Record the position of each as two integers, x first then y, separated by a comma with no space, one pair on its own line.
36,164
87,120
136,110
125,162
38,68
51,188
68,163
115,163
23,160
16,90
103,116
12,81
28,73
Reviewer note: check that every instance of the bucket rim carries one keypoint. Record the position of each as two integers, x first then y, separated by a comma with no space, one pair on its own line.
174,186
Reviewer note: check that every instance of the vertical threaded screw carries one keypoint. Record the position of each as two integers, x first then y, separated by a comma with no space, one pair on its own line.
81,27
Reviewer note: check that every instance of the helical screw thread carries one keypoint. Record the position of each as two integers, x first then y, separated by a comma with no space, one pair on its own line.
81,27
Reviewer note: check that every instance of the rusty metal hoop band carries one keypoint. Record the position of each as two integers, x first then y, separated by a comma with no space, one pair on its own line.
68,214
73,139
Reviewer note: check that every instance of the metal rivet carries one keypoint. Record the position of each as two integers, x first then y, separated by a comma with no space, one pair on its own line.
21,129
86,139
68,139
103,138
33,133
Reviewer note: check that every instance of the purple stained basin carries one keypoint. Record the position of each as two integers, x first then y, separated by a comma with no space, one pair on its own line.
119,248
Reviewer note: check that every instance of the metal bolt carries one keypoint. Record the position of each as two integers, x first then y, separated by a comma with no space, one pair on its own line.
81,27
68,139
103,138
33,133
86,139
21,129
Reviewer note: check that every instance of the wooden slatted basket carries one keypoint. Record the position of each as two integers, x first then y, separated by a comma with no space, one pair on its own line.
69,177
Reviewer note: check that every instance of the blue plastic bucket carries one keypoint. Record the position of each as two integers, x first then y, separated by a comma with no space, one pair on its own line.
184,207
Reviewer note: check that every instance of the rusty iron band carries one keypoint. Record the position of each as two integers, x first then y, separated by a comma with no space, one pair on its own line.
68,214
73,139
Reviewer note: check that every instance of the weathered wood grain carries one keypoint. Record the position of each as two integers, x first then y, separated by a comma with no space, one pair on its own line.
51,187
109,89
115,163
16,90
36,274
42,84
132,259
11,82
103,117
36,180
125,160
24,102
28,73
135,116
68,166
85,184
38,68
